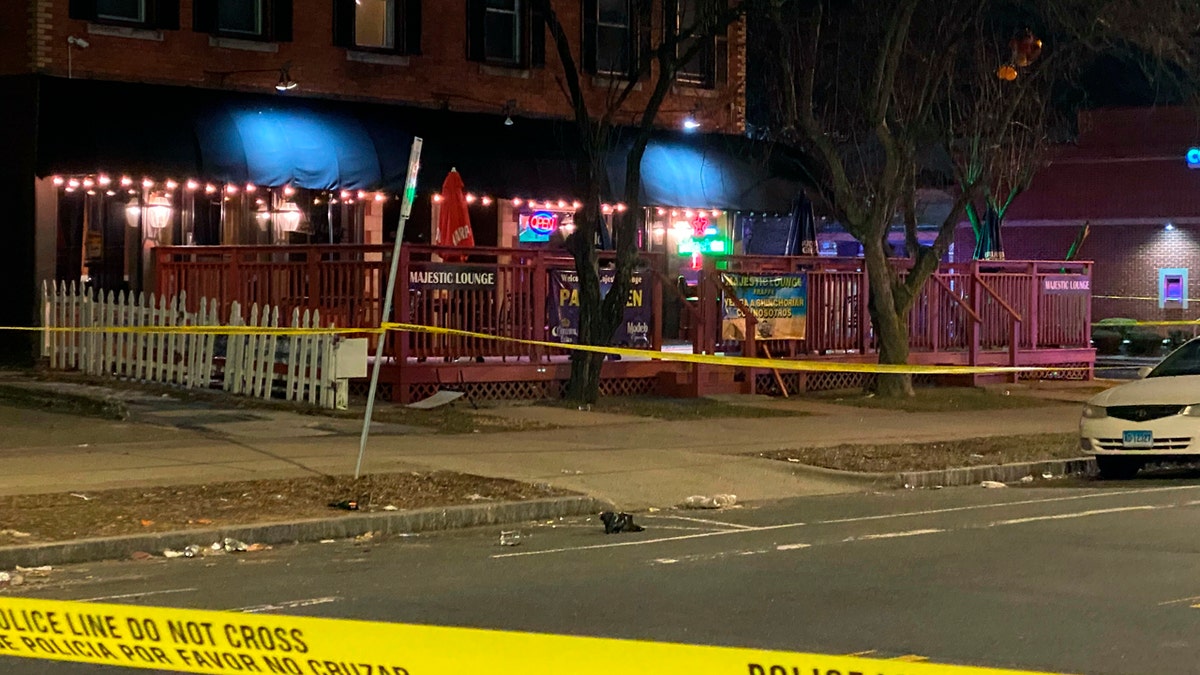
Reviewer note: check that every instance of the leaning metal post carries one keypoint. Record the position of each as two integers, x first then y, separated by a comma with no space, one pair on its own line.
410,193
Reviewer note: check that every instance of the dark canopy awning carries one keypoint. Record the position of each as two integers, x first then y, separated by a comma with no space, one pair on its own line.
88,126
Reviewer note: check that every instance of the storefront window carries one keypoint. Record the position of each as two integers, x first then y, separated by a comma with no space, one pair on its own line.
133,11
375,24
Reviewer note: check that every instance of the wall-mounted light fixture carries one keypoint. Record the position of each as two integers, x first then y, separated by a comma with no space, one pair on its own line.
285,82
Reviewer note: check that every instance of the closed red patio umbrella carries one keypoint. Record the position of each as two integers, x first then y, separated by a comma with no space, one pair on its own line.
454,222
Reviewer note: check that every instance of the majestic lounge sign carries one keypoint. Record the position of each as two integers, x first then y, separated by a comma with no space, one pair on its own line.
1066,284
452,277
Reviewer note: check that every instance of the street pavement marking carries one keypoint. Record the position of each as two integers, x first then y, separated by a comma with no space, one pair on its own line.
911,658
290,604
893,535
857,519
864,653
126,596
1078,514
1180,601
649,516
792,547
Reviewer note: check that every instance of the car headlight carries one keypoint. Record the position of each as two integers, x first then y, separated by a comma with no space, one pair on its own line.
1095,411
1192,410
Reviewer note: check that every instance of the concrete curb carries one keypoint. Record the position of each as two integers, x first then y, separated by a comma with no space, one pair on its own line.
970,475
388,522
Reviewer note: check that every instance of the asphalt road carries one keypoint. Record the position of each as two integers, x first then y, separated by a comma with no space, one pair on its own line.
1087,577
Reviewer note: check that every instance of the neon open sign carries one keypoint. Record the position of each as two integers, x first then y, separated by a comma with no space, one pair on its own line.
543,222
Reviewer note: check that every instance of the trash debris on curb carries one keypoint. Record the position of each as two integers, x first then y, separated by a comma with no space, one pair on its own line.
81,496
992,484
258,547
146,523
510,538
976,455
345,505
192,551
709,502
908,486
476,497
11,579
233,545
5,577
615,523
140,555
327,541
1048,476
171,553
391,507
793,459
13,533
1027,479
365,537
41,571
571,472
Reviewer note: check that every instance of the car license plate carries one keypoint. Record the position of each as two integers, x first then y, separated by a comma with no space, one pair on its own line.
1138,439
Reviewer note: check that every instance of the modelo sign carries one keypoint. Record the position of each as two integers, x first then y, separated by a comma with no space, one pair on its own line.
1066,284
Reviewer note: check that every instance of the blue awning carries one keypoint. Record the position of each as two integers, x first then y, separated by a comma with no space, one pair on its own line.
280,145
708,171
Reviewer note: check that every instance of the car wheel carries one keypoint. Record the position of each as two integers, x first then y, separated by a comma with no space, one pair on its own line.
1118,468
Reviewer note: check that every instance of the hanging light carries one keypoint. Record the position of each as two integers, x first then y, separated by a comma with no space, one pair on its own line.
605,208
288,217
110,193
58,180
126,181
133,212
103,180
487,201
147,183
690,124
516,201
660,211
380,197
158,211
345,194
231,189
562,204
88,182
470,198
70,189
437,198
74,183
362,194
288,190
192,184
210,188
171,185
251,187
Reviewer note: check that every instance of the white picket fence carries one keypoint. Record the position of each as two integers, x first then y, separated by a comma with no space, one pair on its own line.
252,364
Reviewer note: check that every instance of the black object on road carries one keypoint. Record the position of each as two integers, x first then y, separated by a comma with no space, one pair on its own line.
619,522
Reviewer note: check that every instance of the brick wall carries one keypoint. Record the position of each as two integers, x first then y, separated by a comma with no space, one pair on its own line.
1127,259
441,75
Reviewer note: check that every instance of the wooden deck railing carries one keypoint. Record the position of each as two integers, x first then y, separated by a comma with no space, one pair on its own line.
974,307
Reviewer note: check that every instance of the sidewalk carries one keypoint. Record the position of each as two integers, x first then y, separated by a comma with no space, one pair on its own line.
634,462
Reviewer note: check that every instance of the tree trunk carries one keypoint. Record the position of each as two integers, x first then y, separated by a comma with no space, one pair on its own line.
888,320
584,385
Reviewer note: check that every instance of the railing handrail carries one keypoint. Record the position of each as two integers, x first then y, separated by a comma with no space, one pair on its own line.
966,308
995,296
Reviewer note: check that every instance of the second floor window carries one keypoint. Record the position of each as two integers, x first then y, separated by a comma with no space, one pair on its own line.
378,25
700,70
132,13
614,33
247,19
505,33
240,17
502,31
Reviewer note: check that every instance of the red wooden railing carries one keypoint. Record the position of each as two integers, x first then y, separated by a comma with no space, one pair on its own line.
974,307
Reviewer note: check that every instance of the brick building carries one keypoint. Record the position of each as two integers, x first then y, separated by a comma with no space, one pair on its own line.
1133,181
131,124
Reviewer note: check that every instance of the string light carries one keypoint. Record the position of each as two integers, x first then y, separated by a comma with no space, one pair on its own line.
362,194
171,185
605,208
210,188
92,192
126,181
251,187
562,204
73,183
288,190
437,198
487,201
192,184
380,197
70,189
688,214
103,180
345,194
231,189
621,208
58,180
660,211
147,183
111,193
88,182
516,201
575,205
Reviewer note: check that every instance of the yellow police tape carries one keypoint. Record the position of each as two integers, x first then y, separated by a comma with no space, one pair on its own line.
199,641
682,357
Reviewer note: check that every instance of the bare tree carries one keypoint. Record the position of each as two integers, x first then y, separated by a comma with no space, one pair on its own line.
598,120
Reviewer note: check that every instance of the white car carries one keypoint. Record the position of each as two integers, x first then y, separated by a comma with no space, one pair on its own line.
1153,419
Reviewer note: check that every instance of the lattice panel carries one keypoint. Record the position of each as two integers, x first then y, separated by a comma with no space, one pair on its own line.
1067,371
831,381
359,389
628,386
766,384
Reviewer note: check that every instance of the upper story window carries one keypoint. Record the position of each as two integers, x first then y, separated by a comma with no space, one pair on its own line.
136,13
378,25
505,33
246,19
701,70
613,35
